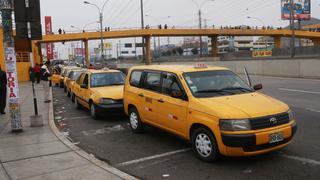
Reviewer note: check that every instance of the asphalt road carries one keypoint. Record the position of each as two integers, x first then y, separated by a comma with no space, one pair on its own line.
158,155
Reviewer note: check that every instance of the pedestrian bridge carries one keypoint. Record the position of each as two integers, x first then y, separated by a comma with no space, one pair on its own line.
148,33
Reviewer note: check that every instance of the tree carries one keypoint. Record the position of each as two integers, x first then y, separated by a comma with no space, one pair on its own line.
180,50
194,51
174,51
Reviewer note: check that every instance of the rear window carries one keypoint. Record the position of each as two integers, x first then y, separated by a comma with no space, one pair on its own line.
135,78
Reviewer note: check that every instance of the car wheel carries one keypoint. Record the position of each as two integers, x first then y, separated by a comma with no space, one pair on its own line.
68,94
204,144
135,122
72,97
61,84
93,111
76,103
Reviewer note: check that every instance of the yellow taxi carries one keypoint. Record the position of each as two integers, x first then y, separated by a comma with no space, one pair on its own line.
99,91
64,74
212,107
55,78
70,81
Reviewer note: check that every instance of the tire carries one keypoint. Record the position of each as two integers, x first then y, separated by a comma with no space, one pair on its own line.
72,97
61,84
204,144
65,89
135,122
93,111
68,94
76,103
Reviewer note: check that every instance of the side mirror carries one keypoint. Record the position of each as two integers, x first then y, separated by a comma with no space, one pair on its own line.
84,86
257,87
178,95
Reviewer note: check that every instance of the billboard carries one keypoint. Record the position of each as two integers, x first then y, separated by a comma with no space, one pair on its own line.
48,27
256,53
302,9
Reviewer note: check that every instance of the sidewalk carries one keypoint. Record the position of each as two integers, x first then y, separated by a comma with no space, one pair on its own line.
42,152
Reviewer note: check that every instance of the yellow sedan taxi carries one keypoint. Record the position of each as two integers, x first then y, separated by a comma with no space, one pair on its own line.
211,107
99,91
72,77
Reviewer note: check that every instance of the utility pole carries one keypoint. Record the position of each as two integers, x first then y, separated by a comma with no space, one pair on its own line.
11,68
200,27
142,27
292,41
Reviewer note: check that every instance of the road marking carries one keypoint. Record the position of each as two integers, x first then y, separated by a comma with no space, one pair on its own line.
153,157
79,117
303,160
314,110
302,91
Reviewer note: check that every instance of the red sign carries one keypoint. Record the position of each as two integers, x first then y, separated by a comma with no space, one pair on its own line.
48,28
79,51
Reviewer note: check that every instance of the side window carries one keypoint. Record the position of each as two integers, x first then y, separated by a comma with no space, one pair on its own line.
86,80
152,81
170,84
135,78
78,81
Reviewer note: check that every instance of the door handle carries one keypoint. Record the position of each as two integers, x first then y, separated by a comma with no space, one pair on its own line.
141,95
161,100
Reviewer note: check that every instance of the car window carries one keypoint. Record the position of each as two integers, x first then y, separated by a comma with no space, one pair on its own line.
86,80
152,81
79,80
135,78
170,83
107,79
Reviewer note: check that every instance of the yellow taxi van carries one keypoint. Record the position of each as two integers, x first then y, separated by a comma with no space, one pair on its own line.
100,91
211,107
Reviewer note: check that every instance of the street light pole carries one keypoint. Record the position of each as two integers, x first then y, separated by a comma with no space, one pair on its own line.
292,40
101,26
200,20
142,27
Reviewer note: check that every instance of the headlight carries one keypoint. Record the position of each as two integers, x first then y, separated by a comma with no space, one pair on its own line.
106,101
235,125
290,115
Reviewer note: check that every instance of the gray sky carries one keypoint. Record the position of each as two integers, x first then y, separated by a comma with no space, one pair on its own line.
126,13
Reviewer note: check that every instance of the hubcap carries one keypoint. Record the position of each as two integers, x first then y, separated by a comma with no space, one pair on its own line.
203,145
134,120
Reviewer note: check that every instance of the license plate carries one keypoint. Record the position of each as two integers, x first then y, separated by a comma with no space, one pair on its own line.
275,137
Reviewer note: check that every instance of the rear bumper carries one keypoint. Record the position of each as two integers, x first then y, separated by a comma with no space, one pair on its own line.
256,143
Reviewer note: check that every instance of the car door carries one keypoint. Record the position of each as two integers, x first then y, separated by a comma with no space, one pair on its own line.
76,89
172,104
151,87
84,94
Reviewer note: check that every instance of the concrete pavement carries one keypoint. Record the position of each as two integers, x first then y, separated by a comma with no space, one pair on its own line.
42,152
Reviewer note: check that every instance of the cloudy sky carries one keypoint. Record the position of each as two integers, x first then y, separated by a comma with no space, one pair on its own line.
126,13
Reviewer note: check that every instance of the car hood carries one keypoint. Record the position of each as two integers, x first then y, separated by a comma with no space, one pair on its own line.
240,106
112,92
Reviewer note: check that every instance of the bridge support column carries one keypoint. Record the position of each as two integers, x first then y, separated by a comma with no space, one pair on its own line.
316,42
86,52
36,52
148,50
277,42
214,46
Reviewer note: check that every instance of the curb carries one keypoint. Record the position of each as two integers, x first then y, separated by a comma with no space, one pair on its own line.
101,164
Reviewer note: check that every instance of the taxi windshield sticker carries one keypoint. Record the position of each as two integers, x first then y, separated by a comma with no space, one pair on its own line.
194,89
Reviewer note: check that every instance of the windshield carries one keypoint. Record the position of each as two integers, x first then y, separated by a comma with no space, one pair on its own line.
215,83
107,79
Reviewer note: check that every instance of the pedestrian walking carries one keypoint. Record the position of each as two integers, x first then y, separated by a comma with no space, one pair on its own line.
31,74
36,71
44,76
3,91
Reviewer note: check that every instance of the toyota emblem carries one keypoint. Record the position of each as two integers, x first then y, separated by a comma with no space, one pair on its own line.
273,121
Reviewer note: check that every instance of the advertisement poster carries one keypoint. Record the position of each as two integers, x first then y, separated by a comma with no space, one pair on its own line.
256,53
302,9
13,88
48,27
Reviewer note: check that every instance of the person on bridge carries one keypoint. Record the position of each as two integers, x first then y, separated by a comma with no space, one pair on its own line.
60,31
3,91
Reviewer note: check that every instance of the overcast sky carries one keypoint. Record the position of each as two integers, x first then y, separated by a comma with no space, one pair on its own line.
126,13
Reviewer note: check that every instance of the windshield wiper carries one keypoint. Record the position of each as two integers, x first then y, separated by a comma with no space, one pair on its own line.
115,84
218,91
242,89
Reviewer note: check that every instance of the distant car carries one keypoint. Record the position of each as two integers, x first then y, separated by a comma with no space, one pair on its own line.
100,91
211,107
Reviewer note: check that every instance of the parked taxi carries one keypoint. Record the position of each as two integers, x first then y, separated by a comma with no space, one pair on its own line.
99,91
70,81
211,107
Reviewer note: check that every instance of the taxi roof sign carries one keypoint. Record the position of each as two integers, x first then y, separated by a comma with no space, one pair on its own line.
200,66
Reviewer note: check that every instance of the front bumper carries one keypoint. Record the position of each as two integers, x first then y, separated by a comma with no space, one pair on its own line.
256,143
110,108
